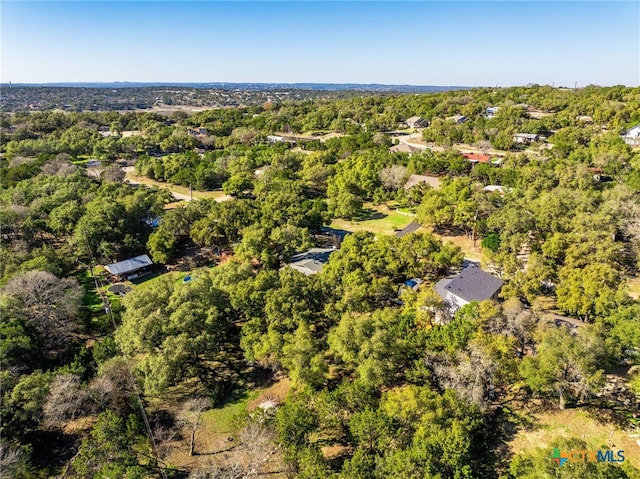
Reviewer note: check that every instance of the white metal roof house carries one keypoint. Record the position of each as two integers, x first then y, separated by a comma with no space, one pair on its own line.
632,136
491,112
525,138
129,267
403,148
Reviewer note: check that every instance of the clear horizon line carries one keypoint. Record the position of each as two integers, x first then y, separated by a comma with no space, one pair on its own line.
178,83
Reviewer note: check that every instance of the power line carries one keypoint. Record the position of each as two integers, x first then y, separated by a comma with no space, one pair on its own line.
107,307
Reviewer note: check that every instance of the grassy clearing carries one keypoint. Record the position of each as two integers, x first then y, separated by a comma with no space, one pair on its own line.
465,244
132,176
215,444
379,220
221,420
218,426
148,281
579,423
634,287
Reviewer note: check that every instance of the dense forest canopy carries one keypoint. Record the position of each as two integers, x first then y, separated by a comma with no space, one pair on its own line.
386,380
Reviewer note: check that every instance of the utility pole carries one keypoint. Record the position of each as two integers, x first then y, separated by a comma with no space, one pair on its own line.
132,381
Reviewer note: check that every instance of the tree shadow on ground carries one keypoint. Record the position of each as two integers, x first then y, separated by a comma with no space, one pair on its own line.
502,427
156,270
368,214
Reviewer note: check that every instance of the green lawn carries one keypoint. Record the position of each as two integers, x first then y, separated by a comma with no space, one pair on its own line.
147,281
381,220
221,420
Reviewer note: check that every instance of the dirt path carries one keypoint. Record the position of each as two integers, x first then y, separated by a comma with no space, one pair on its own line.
134,179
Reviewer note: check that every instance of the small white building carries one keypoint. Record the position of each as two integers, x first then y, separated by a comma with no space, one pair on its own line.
632,136
525,138
491,112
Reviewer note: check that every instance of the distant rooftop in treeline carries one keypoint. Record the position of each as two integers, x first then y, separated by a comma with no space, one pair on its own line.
375,87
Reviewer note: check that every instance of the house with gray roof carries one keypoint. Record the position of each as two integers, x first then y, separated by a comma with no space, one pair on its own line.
457,118
416,122
311,261
472,284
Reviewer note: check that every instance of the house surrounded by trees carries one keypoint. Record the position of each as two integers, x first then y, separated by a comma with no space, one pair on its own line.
472,284
129,268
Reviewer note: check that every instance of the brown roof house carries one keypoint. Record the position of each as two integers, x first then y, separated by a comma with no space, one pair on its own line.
472,284
414,180
403,148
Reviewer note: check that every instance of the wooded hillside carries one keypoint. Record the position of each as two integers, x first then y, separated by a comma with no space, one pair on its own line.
289,326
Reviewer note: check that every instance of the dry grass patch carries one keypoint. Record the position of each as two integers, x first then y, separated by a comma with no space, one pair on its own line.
466,245
143,180
277,393
634,287
580,423
220,442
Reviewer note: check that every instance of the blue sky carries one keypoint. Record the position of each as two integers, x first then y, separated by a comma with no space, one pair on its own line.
420,43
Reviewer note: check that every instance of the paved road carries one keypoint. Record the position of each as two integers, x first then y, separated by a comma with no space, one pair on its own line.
410,228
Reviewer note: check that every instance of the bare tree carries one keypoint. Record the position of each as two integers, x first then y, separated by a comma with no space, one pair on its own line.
192,413
113,173
471,374
95,171
67,399
112,388
60,166
217,471
484,145
520,322
164,438
380,138
245,134
257,444
49,303
393,177
20,160
12,460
